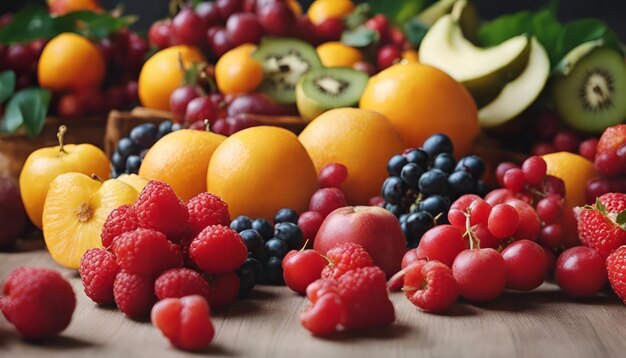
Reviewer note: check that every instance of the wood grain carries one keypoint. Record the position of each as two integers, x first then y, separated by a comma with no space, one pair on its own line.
543,323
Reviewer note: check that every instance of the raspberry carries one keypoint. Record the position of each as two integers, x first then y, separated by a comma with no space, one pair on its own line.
39,302
160,209
207,209
180,282
364,296
345,257
98,269
430,285
119,221
223,289
218,249
146,252
616,267
597,226
186,321
324,314
134,295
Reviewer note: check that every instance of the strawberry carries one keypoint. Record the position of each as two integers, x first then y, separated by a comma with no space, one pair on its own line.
602,226
616,268
612,138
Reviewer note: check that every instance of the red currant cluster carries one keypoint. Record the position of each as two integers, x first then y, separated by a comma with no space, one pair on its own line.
610,163
553,138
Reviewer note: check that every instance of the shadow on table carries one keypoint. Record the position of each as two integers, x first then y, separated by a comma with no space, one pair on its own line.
395,331
60,342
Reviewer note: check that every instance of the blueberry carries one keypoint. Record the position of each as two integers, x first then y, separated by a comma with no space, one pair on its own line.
264,228
254,242
461,182
276,248
118,161
411,174
419,157
403,217
114,173
395,164
176,127
165,127
444,162
433,182
275,271
143,153
394,209
416,225
241,223
249,275
126,147
438,143
393,190
435,205
291,234
133,162
473,165
480,188
286,215
144,135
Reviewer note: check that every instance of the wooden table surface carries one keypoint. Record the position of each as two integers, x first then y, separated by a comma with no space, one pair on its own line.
542,323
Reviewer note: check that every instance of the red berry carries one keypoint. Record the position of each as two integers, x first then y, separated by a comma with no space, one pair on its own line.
616,267
310,222
345,257
325,200
499,196
387,56
366,67
485,237
70,106
543,148
608,164
276,18
566,141
503,168
479,211
301,268
186,321
548,125
323,316
580,271
430,286
587,148
228,7
199,109
188,28
209,13
160,33
526,265
529,225
21,58
442,243
597,227
553,186
514,180
119,221
409,257
329,30
534,169
180,98
206,209
98,269
244,28
379,24
480,273
332,175
180,282
550,209
551,236
612,138
305,30
218,249
38,302
146,252
503,221
219,41
223,289
160,209
134,295
596,187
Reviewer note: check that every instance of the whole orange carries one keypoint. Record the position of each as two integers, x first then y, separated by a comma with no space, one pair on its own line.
260,170
321,10
337,54
237,72
420,101
575,171
360,139
161,75
70,61
181,159
62,7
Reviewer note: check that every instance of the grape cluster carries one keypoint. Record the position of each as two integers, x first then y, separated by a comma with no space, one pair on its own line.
267,246
424,181
131,150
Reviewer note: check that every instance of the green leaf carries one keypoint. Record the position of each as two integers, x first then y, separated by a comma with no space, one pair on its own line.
29,24
398,12
601,208
621,219
359,37
503,28
90,24
27,107
415,30
584,30
7,85
357,17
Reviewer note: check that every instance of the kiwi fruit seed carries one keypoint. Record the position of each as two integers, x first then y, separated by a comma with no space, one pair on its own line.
592,96
326,88
284,61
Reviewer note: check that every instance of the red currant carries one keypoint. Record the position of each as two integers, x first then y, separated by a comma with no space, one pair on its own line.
442,243
503,221
534,169
580,271
525,265
514,180
332,175
480,273
301,268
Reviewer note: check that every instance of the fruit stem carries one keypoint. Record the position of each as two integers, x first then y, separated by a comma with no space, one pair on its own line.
304,246
60,134
95,177
207,125
474,242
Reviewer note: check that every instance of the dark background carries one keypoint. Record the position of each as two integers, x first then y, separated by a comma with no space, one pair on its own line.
613,12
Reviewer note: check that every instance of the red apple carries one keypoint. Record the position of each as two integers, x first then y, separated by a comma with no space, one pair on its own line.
374,228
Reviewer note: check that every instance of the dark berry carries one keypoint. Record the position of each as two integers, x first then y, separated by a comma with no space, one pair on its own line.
254,242
276,248
438,143
393,189
289,233
395,165
118,161
165,127
419,157
249,274
461,182
286,215
133,162
480,189
394,209
411,174
433,181
144,135
444,162
126,147
435,205
263,227
241,223
416,225
275,270
473,165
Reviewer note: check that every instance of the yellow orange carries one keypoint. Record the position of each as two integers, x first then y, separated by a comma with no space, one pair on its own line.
62,7
181,159
321,10
68,62
410,56
161,75
262,169
575,171
337,54
420,101
360,139
237,72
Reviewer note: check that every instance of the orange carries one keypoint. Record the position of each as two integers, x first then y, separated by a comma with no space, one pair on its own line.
361,140
294,5
181,159
260,170
161,75
321,10
75,210
62,7
70,61
420,101
575,171
237,72
337,54
410,56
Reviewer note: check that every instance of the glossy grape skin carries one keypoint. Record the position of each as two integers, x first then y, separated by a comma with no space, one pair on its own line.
480,273
188,28
244,28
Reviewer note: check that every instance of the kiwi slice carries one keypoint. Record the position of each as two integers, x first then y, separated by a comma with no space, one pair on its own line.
590,90
327,88
284,61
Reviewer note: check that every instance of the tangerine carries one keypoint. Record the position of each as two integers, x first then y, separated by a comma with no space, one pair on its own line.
337,54
321,10
237,72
